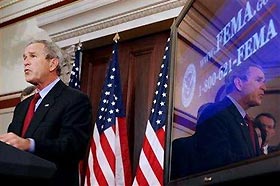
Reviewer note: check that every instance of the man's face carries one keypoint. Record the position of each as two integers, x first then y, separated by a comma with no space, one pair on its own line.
253,88
269,126
36,66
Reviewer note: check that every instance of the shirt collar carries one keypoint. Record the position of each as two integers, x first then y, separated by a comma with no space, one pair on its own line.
239,108
46,90
265,149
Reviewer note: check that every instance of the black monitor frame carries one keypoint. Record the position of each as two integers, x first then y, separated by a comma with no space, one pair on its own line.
272,69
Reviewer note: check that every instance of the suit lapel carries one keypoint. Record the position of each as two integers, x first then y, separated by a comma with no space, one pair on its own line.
241,124
46,104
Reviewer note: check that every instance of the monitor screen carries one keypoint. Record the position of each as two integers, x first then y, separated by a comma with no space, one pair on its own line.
210,40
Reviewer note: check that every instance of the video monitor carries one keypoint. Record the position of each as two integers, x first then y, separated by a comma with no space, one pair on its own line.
210,39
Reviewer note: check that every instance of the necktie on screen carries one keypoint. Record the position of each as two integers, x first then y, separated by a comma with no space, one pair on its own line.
251,130
30,113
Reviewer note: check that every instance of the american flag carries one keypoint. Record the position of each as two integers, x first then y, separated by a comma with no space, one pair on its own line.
150,169
108,161
75,73
74,82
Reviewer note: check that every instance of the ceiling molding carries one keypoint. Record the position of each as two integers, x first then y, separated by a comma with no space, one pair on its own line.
115,20
7,3
106,19
18,10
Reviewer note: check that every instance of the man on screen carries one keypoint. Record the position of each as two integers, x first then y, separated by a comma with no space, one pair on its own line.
223,134
268,121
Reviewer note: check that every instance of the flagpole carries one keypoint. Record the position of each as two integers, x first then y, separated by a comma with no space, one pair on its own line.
79,46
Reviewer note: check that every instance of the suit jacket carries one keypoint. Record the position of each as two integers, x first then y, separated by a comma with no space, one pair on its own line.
183,157
223,136
273,148
60,128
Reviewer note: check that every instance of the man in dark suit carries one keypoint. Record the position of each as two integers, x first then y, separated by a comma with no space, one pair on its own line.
268,121
59,130
183,157
222,134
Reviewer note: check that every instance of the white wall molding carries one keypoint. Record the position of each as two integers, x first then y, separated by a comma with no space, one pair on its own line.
12,9
105,19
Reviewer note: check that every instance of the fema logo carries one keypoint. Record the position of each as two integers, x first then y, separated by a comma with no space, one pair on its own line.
188,85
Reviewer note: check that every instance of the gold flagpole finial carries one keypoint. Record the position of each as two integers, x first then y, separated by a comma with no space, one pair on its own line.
116,37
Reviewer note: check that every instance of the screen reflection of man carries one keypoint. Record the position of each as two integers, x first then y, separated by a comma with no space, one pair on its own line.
268,121
222,133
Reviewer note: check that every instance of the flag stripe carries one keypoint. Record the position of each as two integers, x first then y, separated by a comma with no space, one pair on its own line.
140,179
119,166
152,157
90,178
148,174
155,142
108,146
103,151
97,170
124,150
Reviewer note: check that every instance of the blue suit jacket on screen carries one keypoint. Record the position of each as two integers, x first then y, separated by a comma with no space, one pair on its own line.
223,136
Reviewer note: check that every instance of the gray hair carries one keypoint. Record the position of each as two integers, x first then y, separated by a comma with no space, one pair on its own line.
239,72
52,51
